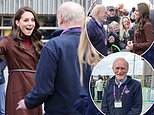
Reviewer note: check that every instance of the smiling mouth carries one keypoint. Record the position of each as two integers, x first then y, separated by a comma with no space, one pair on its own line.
29,28
120,74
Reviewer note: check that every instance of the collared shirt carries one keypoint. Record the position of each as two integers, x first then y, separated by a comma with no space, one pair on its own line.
99,23
121,81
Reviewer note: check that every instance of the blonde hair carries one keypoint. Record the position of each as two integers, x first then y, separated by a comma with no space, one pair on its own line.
122,28
87,54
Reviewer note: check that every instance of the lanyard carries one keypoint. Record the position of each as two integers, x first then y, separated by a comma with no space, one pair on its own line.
122,93
76,29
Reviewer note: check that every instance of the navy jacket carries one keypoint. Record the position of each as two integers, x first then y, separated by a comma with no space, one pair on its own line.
97,35
84,104
57,77
131,100
2,67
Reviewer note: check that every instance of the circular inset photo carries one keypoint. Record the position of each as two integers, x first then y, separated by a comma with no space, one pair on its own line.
122,83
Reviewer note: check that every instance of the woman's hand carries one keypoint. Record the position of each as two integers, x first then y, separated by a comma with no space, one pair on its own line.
129,45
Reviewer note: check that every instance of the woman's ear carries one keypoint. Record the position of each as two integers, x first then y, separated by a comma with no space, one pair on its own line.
17,23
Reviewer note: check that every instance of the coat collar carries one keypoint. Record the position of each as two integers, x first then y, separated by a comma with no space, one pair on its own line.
30,51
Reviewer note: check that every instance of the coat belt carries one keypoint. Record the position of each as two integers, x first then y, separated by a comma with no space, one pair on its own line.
22,70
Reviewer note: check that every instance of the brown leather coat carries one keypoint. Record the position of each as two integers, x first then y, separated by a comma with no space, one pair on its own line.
19,83
143,42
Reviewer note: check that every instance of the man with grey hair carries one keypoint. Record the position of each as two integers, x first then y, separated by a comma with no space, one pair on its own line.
122,94
58,77
95,28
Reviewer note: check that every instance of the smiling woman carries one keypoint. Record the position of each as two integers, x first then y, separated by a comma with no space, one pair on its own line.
21,50
26,23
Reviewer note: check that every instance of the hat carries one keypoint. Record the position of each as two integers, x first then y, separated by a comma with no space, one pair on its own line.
110,8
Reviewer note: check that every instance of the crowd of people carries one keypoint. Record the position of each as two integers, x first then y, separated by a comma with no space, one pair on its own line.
97,85
125,31
57,74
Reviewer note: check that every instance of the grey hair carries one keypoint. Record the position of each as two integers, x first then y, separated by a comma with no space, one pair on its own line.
71,11
96,9
113,24
120,59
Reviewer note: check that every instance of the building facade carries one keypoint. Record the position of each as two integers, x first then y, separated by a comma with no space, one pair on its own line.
46,10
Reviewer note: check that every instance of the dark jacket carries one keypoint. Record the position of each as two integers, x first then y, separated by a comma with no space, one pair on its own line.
152,17
97,36
56,33
57,77
131,100
2,67
85,104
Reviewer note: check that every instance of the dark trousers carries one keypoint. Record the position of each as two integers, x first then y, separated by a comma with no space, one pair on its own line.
99,95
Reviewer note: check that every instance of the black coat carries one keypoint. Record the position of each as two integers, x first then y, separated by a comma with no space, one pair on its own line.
2,67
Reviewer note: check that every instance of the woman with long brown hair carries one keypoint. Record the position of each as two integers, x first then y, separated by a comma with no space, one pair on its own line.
143,34
21,50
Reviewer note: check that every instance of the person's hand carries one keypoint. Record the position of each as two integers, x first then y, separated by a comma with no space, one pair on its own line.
111,39
128,48
21,105
130,45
